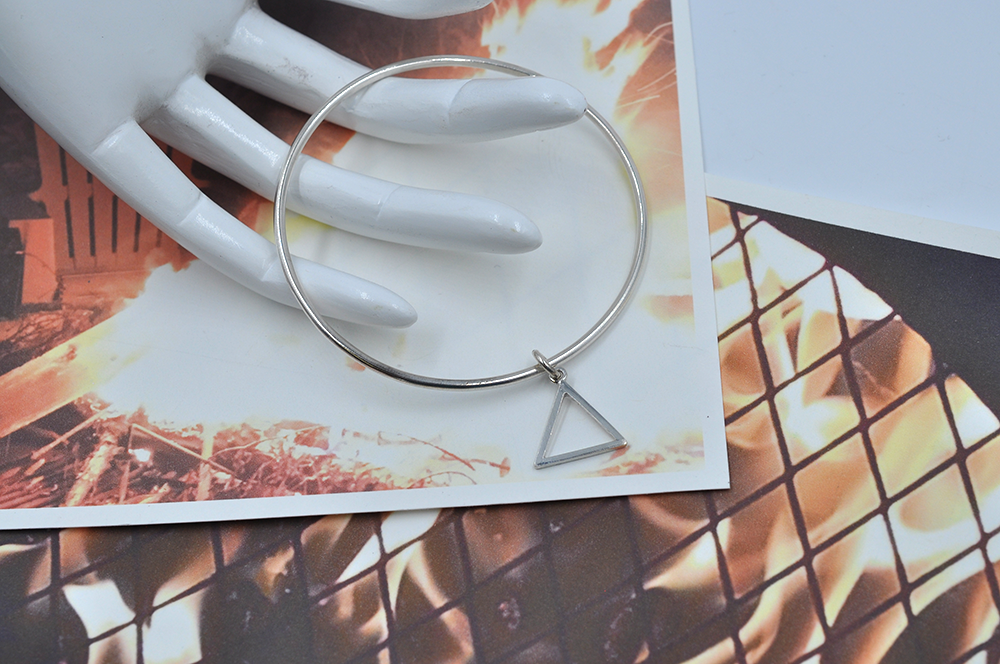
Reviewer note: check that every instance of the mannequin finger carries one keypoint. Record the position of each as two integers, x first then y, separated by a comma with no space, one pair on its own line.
278,62
131,165
417,8
203,124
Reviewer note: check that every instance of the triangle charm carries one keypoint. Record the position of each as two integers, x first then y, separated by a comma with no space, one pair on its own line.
543,460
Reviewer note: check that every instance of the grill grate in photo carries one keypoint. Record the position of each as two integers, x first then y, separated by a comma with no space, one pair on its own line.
861,527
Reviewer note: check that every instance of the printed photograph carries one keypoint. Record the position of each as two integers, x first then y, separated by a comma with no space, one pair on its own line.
132,373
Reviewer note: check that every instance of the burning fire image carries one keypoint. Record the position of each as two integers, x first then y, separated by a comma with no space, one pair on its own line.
76,432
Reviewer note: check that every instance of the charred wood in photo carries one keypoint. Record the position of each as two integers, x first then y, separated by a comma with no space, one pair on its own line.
183,450
40,452
97,463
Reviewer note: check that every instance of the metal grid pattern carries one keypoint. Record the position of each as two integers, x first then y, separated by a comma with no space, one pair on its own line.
657,578
919,647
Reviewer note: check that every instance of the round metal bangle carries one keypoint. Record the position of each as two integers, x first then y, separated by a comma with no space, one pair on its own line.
281,238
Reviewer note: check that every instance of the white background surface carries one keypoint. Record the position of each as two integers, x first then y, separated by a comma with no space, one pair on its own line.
890,105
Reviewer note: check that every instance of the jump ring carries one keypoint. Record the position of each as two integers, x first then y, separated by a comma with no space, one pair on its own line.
556,374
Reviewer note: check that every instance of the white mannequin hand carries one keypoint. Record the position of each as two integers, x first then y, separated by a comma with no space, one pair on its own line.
102,77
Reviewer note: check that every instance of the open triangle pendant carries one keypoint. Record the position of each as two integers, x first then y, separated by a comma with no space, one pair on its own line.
543,460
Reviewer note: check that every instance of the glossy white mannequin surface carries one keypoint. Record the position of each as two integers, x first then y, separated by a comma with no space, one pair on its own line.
106,77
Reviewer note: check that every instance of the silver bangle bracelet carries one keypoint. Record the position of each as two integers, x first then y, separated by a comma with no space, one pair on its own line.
548,366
